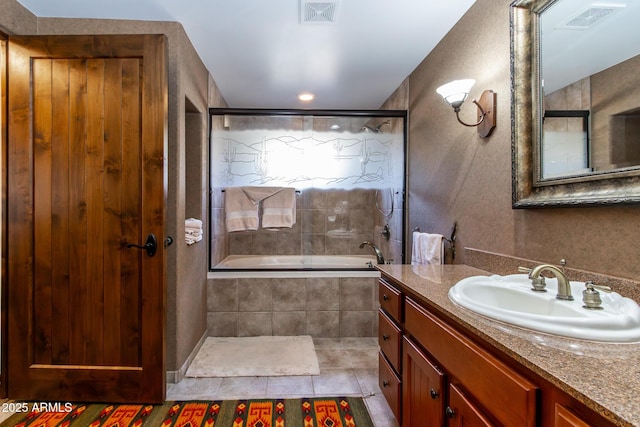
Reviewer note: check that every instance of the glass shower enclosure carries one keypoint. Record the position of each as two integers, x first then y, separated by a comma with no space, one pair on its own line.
347,169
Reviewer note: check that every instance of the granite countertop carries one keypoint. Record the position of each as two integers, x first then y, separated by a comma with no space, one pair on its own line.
603,376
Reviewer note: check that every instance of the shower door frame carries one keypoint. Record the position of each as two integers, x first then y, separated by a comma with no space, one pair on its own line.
401,114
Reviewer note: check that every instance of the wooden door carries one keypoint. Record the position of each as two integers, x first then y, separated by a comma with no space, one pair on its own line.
87,132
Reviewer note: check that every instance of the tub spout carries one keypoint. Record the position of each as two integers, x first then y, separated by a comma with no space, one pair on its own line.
379,257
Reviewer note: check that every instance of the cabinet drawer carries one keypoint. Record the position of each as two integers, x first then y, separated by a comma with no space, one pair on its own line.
503,392
390,385
390,300
389,339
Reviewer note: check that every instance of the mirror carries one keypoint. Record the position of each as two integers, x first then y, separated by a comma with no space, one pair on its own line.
575,102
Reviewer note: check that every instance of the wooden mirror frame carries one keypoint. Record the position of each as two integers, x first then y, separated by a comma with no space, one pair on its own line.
620,186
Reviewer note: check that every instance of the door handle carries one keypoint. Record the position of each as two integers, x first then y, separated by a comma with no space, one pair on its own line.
150,245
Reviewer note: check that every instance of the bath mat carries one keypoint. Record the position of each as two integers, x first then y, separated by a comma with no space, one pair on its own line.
265,356
329,411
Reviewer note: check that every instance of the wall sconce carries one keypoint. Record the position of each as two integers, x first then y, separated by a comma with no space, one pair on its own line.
456,92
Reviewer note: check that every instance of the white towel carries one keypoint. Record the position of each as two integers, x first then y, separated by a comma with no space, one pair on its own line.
279,209
193,223
427,248
192,230
190,240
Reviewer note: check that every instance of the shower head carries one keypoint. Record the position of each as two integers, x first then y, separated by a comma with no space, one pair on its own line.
377,129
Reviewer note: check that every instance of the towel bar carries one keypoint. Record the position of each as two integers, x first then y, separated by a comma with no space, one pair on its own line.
297,191
451,239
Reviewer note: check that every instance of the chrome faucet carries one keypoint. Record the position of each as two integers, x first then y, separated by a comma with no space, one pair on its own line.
379,257
564,286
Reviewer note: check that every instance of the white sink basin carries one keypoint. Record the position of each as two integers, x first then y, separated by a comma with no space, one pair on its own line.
510,299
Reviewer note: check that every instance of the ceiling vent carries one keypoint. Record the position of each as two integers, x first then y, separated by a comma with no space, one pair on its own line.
314,12
595,13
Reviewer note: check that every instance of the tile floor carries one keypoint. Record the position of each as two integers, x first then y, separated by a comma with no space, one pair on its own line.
348,367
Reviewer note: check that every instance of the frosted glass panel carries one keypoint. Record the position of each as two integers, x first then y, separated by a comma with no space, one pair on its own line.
307,151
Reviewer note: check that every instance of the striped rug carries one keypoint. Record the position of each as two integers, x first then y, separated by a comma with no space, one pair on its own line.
315,412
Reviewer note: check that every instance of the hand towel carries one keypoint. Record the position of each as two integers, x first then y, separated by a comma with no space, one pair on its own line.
279,209
427,248
241,213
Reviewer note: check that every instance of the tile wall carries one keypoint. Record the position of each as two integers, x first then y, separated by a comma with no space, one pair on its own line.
328,222
320,307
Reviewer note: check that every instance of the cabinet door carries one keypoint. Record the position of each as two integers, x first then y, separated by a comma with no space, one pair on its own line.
422,389
462,413
566,418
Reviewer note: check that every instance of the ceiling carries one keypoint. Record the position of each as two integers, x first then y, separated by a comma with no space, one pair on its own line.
262,56
581,38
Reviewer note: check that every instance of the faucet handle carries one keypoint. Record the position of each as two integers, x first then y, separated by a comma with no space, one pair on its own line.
591,285
591,297
563,265
537,284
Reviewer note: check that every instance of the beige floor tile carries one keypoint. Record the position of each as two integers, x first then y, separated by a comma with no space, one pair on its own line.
333,359
336,382
194,389
293,386
243,388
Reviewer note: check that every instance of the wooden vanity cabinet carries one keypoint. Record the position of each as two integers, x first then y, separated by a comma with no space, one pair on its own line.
433,373
390,318
474,375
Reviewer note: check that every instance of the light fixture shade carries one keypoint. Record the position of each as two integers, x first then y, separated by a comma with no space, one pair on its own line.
456,92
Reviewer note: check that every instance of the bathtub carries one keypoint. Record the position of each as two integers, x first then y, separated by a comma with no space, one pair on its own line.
246,266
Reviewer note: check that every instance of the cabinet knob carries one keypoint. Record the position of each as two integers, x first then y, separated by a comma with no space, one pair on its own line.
434,393
385,297
385,337
450,412
385,383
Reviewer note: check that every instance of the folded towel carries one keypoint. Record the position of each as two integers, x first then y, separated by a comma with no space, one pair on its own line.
193,232
279,209
427,248
192,223
241,212
258,194
190,240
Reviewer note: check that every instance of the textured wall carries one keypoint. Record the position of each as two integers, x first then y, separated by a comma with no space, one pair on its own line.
457,176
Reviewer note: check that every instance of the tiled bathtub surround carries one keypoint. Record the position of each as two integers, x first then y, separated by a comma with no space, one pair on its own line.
318,306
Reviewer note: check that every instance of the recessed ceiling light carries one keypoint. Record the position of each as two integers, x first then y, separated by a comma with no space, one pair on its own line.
306,96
